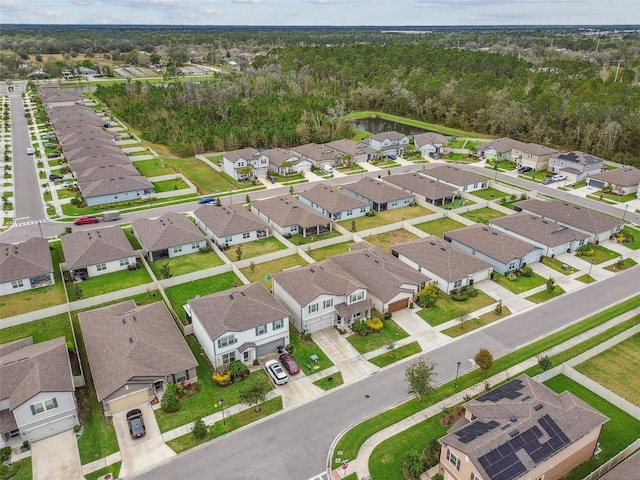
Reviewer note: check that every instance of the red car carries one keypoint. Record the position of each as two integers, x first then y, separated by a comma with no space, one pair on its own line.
85,220
289,363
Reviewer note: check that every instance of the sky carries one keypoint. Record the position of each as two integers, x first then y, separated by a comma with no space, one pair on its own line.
322,12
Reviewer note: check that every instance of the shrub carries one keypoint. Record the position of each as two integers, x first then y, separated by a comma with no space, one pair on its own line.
170,402
458,297
375,324
545,362
387,316
512,277
370,213
431,454
289,348
526,271
483,359
200,430
361,328
471,291
5,454
413,465
428,296
237,371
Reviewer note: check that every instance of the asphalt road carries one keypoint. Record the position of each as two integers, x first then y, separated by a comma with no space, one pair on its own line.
294,444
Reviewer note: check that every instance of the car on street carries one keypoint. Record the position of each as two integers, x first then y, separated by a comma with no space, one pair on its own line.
289,363
54,177
204,200
30,151
547,181
136,423
86,220
275,371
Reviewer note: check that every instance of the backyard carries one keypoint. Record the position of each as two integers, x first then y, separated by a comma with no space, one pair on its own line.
329,251
438,227
262,271
109,282
169,185
446,308
253,249
386,240
483,215
386,218
489,193
186,263
298,239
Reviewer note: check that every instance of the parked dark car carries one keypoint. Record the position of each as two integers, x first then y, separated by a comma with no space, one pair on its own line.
289,363
204,200
434,155
54,177
524,169
547,181
136,423
86,220
272,179
391,157
53,155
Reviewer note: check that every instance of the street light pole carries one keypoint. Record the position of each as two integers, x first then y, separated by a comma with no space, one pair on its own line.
625,212
457,371
590,267
222,405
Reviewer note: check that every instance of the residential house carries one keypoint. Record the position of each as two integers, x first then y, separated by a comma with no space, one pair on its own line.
334,203
461,179
575,165
429,143
115,189
388,143
520,430
230,225
523,154
54,96
497,150
449,266
352,152
25,265
504,252
289,216
433,191
598,225
242,323
245,164
551,237
96,252
168,236
318,155
133,351
286,161
37,397
623,181
379,195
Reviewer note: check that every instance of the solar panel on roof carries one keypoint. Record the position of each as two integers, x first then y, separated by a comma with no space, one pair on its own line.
509,390
474,430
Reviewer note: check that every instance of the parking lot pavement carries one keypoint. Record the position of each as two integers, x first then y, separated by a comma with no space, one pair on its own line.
56,458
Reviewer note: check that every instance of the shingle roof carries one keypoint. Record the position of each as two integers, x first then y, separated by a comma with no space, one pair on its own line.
494,244
317,153
92,149
27,259
575,216
111,185
622,177
441,258
579,157
237,309
277,156
124,341
421,185
453,175
82,249
34,368
167,231
376,190
506,144
349,147
228,220
429,138
286,210
101,172
391,135
538,229
244,153
54,95
331,199
82,163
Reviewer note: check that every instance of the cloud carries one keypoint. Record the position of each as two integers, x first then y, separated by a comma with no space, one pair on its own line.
85,3
245,1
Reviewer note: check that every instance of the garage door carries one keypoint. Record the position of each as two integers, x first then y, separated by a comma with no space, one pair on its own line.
596,183
319,323
398,305
129,401
53,428
532,257
271,347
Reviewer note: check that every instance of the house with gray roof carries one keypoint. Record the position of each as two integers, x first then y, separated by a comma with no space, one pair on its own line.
93,148
318,155
243,323
244,164
54,96
388,143
96,252
170,235
504,252
115,189
289,216
25,265
37,395
379,195
623,181
451,267
230,225
429,143
575,165
106,171
334,203
598,225
352,152
133,351
285,161
433,191
553,238
521,429
523,154
463,180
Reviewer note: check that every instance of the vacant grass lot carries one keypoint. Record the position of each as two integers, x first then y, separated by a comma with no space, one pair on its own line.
396,354
483,215
179,294
385,218
152,168
476,323
489,193
200,174
447,309
390,332
298,239
254,249
170,185
386,240
186,263
329,251
261,270
617,369
438,227
522,284
109,282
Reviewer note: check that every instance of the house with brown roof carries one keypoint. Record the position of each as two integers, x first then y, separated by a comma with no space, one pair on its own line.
553,238
230,225
245,163
285,161
243,323
430,143
523,154
289,216
520,430
37,395
433,191
133,351
170,235
352,152
54,96
598,225
450,266
575,165
388,143
461,179
334,203
115,189
379,195
498,149
96,252
25,265
318,155
504,252
623,181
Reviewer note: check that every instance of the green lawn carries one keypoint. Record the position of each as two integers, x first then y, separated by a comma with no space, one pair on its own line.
135,244
616,198
396,354
502,165
170,185
385,218
41,330
152,168
66,192
483,215
326,384
186,263
109,282
620,431
351,169
207,180
544,295
298,239
599,254
388,239
585,278
621,265
26,471
262,271
522,284
439,226
633,238
329,251
490,193
255,248
447,309
179,294
556,264
302,351
113,469
391,332
476,323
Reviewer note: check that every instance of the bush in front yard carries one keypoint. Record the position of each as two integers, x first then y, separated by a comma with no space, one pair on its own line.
238,371
375,324
170,401
361,328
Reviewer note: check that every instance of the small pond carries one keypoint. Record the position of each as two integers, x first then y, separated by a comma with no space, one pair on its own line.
377,125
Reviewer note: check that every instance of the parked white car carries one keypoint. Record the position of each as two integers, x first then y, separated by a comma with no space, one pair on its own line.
275,371
559,178
30,151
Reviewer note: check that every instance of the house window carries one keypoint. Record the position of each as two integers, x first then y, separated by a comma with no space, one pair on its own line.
356,297
261,330
349,213
327,303
278,324
530,156
246,356
228,239
101,267
227,358
363,210
246,235
512,265
475,477
313,308
177,249
453,459
226,341
17,284
457,284
180,376
465,188
195,245
394,203
40,407
124,262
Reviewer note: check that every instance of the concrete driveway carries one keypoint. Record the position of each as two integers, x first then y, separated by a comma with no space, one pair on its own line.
298,389
56,458
141,453
351,364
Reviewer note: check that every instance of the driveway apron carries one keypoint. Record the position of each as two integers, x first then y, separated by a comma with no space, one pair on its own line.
351,364
56,458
